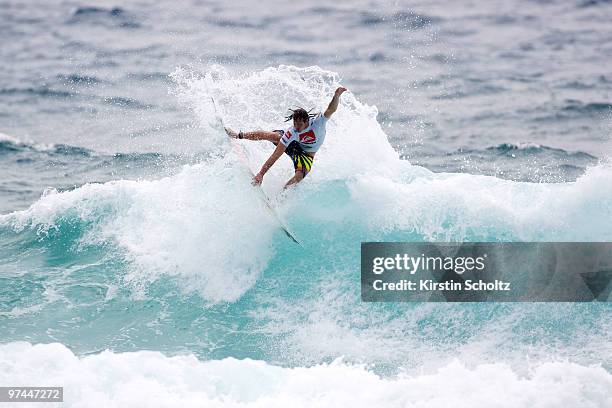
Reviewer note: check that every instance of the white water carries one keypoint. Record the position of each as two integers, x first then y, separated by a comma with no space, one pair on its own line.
150,379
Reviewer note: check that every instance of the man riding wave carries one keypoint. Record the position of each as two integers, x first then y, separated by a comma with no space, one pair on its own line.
300,142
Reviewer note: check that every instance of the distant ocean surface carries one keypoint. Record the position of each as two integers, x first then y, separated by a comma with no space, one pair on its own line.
134,257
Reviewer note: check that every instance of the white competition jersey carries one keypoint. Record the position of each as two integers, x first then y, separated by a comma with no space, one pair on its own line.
311,138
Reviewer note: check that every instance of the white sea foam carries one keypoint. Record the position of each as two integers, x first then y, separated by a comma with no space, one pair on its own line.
151,379
454,207
178,225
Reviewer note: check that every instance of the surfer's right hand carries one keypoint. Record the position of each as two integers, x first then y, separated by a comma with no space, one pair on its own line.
257,179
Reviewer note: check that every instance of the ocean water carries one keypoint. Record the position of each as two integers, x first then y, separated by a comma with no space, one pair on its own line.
139,268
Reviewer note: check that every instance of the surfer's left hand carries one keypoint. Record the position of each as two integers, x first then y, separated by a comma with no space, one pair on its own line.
257,179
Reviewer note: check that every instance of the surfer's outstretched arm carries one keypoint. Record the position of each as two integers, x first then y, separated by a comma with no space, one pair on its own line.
333,105
255,135
278,152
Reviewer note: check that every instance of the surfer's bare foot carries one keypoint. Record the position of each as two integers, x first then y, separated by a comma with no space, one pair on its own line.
231,133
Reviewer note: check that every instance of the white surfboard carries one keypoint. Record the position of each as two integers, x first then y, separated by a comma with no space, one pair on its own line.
242,156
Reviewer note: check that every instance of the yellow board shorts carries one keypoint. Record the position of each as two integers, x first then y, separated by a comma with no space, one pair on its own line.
302,161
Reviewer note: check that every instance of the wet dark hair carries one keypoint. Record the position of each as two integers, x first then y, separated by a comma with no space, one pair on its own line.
300,113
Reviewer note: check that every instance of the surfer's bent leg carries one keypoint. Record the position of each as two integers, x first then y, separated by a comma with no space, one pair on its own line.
302,162
273,137
297,177
262,135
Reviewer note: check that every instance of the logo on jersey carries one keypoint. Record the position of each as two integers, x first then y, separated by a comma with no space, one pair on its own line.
308,137
286,137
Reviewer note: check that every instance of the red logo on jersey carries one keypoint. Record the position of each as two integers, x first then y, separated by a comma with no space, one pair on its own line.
286,137
308,137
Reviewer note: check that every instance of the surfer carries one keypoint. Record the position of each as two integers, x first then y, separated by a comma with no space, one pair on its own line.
300,142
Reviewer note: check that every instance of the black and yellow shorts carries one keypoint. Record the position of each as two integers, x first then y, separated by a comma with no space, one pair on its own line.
302,161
